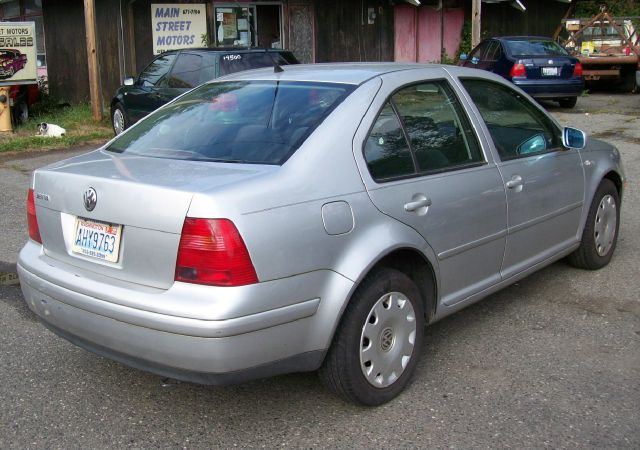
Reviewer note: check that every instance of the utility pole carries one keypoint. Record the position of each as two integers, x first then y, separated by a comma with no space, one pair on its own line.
475,22
92,57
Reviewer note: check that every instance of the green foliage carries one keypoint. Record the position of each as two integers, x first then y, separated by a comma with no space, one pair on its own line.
465,40
446,59
76,120
588,8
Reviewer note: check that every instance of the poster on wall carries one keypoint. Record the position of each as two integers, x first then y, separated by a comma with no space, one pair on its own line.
177,26
18,53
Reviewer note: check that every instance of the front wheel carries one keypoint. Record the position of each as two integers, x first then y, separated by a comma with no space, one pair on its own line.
378,341
568,102
600,233
119,118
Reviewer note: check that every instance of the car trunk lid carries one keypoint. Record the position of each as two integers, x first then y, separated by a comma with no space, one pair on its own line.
549,67
148,197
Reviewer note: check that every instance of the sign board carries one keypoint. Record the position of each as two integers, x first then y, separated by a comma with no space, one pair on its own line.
178,26
18,56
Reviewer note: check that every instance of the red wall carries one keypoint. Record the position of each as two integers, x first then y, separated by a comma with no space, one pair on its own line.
417,33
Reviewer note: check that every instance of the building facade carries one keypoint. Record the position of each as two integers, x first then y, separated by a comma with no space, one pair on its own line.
315,30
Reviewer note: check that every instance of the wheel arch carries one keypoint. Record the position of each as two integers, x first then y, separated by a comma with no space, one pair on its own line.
416,266
616,179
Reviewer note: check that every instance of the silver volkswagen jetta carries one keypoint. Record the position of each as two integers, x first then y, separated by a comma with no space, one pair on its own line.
313,218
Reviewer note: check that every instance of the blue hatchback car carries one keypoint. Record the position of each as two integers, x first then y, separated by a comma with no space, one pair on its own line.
537,65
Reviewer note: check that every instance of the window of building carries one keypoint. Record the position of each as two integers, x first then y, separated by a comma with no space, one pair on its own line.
248,25
28,11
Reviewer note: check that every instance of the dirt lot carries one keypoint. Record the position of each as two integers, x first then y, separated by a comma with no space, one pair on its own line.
552,361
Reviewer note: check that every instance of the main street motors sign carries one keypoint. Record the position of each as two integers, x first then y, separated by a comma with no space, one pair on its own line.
18,53
178,26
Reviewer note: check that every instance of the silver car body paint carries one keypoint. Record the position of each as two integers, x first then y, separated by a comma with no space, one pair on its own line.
314,228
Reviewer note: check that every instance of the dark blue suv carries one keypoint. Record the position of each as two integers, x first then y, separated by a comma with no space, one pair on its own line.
537,65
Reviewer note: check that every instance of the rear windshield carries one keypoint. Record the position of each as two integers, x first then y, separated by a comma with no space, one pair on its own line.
254,122
535,48
237,62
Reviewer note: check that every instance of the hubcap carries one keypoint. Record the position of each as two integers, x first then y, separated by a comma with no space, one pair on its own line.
118,121
387,339
604,231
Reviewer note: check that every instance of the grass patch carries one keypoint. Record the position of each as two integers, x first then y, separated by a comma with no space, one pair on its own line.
76,120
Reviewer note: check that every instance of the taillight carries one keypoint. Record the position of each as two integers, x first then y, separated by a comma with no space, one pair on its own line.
577,70
518,70
212,252
32,220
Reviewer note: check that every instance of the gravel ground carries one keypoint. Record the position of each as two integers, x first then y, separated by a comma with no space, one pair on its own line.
552,361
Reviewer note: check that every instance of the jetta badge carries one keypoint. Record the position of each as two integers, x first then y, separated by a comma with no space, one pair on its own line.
90,199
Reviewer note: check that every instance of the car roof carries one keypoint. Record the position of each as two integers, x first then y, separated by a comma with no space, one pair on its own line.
229,49
523,38
347,73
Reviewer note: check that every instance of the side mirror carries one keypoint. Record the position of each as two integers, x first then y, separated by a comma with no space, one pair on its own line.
574,138
475,60
463,56
128,81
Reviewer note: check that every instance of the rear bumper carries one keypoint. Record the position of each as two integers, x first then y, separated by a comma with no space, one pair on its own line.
551,88
285,339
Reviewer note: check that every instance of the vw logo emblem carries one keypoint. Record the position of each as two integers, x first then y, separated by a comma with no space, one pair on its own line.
551,61
90,199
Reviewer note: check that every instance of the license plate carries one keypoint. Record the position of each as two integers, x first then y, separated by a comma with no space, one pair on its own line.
96,239
550,71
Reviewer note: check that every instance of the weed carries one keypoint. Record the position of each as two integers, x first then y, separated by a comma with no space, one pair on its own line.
75,119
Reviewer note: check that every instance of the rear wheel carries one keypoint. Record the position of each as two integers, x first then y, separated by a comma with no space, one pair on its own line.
119,118
20,113
600,233
378,341
568,102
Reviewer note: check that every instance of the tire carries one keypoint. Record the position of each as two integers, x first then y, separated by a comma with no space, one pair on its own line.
119,119
384,315
568,102
20,113
600,234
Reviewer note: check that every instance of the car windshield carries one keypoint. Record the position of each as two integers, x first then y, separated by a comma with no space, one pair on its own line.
254,122
535,48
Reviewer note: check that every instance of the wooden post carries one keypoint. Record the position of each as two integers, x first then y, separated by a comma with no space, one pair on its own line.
92,56
475,22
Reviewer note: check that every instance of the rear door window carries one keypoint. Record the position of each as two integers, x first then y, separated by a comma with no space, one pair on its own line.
422,129
186,71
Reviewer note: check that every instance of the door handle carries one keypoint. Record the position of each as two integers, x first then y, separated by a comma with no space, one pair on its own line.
514,182
420,203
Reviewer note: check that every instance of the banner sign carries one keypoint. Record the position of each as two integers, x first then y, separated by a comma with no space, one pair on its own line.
18,53
178,26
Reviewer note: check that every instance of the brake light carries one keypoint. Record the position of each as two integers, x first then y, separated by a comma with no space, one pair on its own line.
32,220
212,252
577,70
518,70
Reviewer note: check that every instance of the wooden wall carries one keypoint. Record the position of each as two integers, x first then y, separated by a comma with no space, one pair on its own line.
67,49
342,32
541,18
